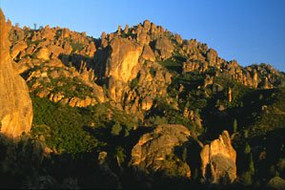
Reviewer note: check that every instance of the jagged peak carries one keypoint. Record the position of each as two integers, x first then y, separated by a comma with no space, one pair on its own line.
161,45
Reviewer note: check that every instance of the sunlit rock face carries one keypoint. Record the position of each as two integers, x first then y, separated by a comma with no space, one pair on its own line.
123,61
219,160
122,65
16,111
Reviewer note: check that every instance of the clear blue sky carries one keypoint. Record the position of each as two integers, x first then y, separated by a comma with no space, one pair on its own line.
250,31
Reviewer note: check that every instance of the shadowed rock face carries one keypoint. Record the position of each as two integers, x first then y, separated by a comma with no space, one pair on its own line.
16,111
219,160
153,149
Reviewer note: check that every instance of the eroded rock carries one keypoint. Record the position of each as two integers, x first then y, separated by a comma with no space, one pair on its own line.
20,46
43,53
219,160
123,61
153,150
16,113
164,47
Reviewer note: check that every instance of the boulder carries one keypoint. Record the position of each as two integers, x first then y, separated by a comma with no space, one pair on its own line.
218,160
154,150
20,46
43,53
16,113
276,183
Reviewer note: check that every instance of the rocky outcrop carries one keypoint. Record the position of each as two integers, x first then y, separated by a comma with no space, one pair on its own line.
152,81
276,183
164,47
119,64
122,63
129,64
49,44
148,53
218,160
154,150
202,59
43,53
17,48
66,86
16,111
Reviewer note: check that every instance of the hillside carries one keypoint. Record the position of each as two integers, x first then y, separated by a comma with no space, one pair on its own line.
142,108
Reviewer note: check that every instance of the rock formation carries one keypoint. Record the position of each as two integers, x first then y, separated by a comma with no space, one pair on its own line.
153,150
164,47
123,60
16,111
122,65
66,86
219,160
127,64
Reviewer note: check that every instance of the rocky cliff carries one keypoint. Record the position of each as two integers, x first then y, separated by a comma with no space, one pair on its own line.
16,112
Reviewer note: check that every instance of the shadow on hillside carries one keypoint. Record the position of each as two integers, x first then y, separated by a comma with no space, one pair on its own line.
246,115
24,164
76,60
95,63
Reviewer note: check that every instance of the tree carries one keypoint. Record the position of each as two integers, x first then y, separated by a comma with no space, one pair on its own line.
116,129
246,178
251,164
235,126
247,149
120,155
248,174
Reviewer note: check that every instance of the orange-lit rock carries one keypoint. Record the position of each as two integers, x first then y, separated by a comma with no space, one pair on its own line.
218,160
16,113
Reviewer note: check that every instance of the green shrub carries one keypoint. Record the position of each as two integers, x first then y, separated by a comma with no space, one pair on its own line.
116,129
134,83
247,149
174,64
235,126
120,154
76,46
152,72
246,178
